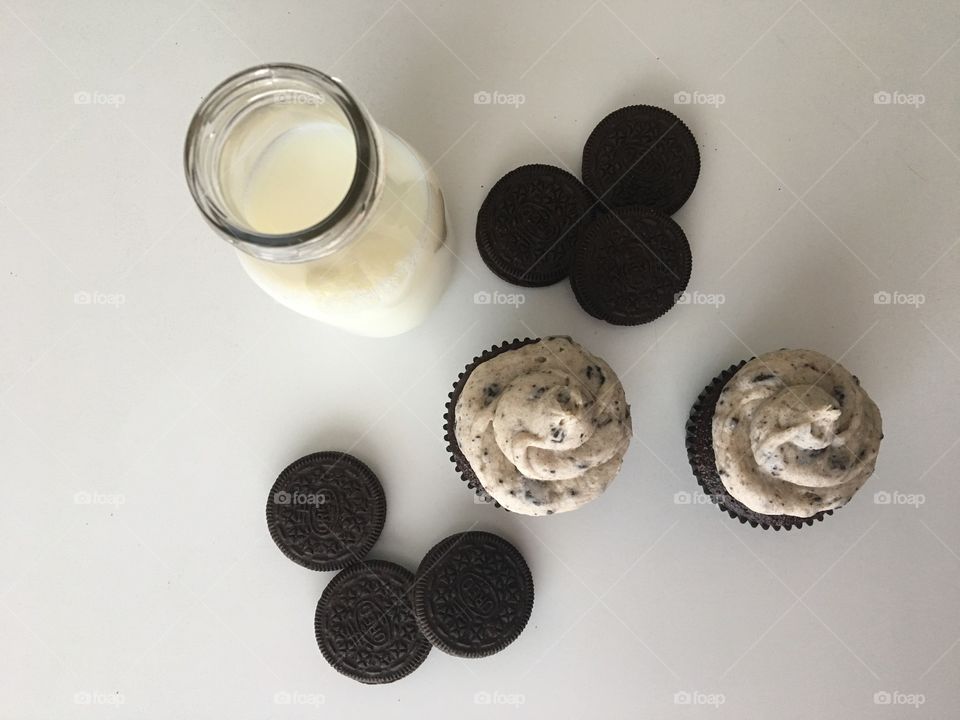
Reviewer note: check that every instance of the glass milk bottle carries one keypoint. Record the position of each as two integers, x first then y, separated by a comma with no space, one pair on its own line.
332,216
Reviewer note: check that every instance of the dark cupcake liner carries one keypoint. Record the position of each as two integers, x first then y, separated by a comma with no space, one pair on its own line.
449,425
703,462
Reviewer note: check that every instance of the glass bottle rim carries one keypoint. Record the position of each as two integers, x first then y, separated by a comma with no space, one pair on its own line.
329,233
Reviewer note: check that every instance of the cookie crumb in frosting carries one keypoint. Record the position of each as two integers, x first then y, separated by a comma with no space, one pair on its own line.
815,429
517,406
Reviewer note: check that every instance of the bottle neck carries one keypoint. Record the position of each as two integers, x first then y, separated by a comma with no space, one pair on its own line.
240,119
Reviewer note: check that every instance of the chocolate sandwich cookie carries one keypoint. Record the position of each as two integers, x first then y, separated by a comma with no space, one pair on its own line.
528,223
365,626
326,510
473,594
641,155
631,266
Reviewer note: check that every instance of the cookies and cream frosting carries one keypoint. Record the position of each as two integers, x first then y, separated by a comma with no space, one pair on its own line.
794,434
544,426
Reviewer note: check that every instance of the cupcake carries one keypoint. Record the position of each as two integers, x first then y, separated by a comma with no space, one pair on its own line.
538,426
783,440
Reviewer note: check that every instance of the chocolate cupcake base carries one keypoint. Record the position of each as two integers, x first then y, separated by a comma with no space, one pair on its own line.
704,462
450,418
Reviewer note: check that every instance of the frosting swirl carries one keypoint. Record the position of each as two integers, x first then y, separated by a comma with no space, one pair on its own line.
795,434
544,426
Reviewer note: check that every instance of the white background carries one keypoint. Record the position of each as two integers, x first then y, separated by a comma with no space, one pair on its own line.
173,409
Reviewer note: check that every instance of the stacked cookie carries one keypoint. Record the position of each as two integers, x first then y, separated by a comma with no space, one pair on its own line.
376,621
628,261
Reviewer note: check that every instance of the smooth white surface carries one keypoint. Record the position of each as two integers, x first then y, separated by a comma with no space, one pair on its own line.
184,401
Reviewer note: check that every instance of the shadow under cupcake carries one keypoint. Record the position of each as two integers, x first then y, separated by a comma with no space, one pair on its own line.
783,440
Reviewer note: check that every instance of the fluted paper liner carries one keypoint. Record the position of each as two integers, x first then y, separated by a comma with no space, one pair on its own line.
704,464
450,417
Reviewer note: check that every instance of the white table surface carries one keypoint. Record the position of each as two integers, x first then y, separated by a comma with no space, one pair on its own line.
141,431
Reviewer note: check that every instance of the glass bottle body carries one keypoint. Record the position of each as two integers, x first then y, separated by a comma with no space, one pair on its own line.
332,216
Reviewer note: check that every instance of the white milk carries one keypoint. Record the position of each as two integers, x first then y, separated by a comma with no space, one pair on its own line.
387,279
299,178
